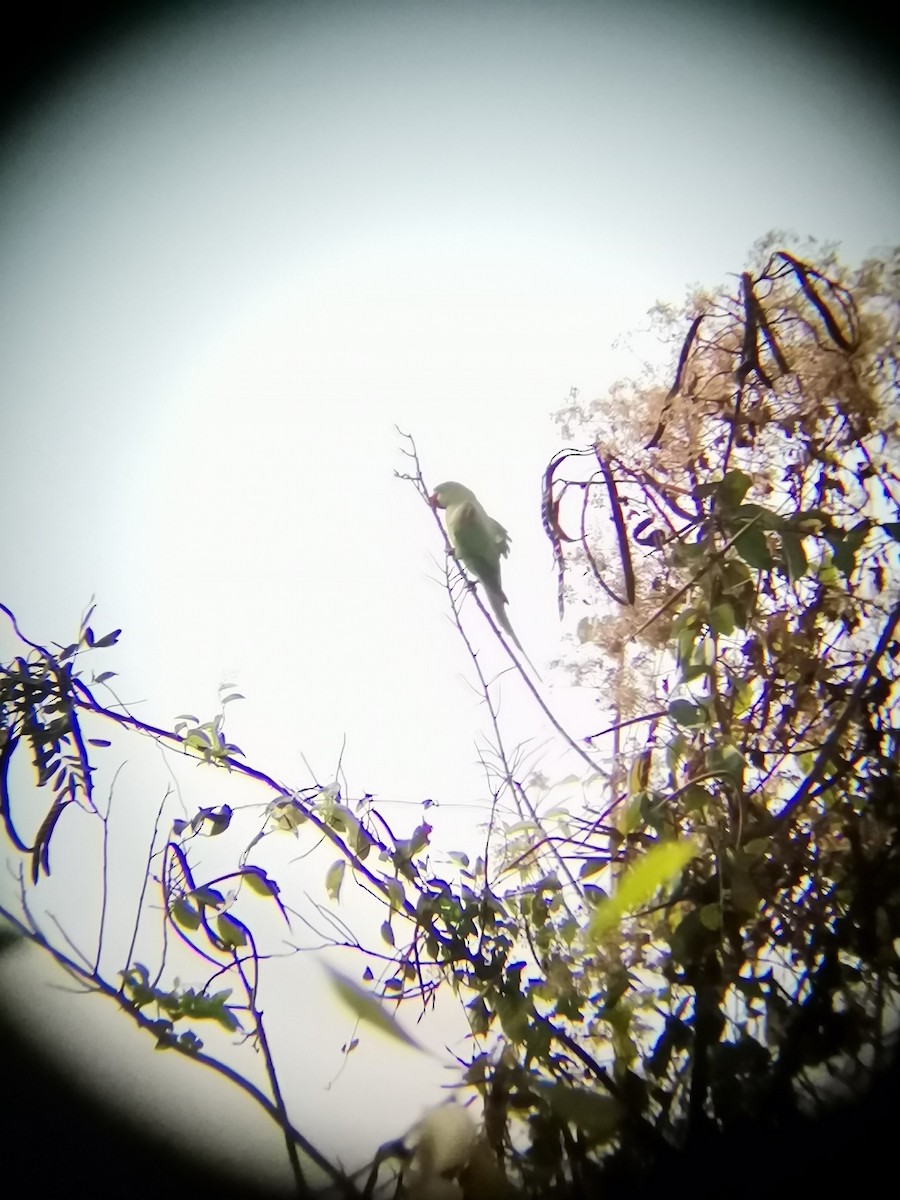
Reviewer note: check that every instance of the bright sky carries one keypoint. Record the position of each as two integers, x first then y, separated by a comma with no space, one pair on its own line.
240,246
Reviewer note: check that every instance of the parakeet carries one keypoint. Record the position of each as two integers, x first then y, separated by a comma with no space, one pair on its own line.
479,542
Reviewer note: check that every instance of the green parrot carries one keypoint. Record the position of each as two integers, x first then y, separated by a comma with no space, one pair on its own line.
479,542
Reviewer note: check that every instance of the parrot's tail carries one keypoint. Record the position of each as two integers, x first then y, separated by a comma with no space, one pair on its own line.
498,604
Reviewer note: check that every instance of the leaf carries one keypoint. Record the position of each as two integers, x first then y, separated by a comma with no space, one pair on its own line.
513,1011
721,619
419,839
334,878
726,760
845,544
592,866
796,563
657,868
184,913
892,529
639,772
745,895
757,847
368,1008
108,639
711,916
598,1115
758,515
683,712
685,645
232,931
99,742
733,489
258,881
394,889
387,933
218,820
694,671
190,1043
691,939
287,814
753,548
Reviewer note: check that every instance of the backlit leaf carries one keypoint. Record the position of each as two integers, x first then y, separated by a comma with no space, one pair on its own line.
656,869
368,1008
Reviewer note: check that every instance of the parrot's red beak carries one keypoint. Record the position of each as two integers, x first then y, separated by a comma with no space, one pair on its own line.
432,500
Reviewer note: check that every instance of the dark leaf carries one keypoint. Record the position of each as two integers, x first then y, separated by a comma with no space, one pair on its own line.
732,489
753,548
108,639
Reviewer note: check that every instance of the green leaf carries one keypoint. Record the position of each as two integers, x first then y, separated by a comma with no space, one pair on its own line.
685,554
721,619
757,847
695,798
598,1115
287,814
760,516
683,712
592,866
694,671
810,521
733,489
685,644
845,544
726,760
231,931
368,1008
745,895
796,563
258,881
687,619
513,1011
691,939
394,889
657,868
208,895
826,572
185,914
711,916
753,548
334,877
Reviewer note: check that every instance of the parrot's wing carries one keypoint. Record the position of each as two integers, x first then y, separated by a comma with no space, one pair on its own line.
474,537
501,537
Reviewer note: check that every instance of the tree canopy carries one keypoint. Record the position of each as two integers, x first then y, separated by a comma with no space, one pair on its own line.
702,953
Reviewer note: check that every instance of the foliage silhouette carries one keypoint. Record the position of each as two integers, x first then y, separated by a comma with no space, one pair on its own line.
700,955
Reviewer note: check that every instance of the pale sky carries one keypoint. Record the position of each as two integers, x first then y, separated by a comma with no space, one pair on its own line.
236,249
